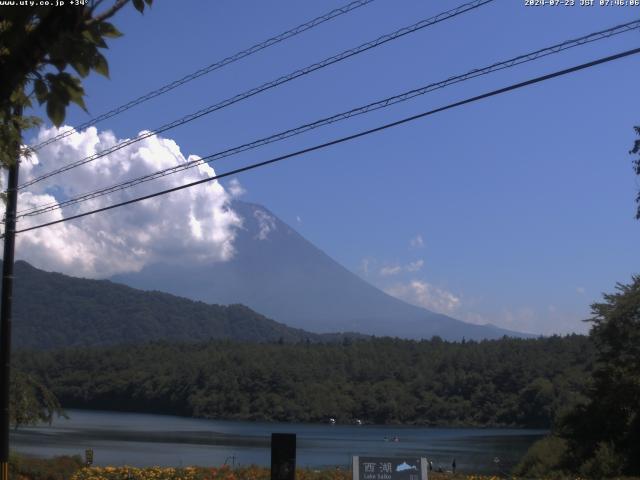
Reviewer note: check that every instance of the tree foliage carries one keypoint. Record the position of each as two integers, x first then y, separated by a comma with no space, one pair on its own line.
38,45
636,165
606,430
31,402
543,458
508,382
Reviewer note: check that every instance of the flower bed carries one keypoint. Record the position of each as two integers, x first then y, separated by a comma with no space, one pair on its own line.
226,473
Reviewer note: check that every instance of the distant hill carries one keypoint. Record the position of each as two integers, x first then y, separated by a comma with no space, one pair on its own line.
280,274
52,310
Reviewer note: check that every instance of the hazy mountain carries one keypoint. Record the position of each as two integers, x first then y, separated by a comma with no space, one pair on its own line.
280,274
53,310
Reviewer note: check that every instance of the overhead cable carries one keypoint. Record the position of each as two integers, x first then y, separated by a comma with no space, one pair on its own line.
269,85
346,138
208,69
528,57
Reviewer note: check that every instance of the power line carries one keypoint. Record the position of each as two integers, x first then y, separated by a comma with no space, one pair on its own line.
266,86
586,39
210,68
348,138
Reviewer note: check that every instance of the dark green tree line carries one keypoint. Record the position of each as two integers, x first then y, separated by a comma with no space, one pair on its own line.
508,382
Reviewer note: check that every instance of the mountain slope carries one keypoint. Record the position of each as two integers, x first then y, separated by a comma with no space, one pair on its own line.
53,310
280,274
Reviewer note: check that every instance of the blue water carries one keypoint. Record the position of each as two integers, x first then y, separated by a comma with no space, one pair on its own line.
143,440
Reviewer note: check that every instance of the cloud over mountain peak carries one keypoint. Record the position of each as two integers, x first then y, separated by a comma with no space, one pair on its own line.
189,225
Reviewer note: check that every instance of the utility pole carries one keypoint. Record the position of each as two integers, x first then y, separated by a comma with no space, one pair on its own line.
5,309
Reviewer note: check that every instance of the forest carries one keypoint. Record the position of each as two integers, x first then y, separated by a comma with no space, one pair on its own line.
75,312
507,382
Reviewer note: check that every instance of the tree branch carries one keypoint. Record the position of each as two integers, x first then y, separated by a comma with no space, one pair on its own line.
107,13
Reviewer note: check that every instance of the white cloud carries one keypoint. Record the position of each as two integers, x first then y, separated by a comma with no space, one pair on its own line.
523,319
473,317
190,225
266,223
365,265
235,189
298,219
415,266
425,295
580,290
416,242
389,270
549,321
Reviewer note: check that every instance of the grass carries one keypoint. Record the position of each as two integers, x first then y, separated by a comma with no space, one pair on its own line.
30,468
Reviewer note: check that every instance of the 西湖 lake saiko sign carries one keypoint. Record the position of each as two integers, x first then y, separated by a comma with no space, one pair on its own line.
389,468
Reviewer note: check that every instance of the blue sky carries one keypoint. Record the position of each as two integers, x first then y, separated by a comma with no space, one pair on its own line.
524,203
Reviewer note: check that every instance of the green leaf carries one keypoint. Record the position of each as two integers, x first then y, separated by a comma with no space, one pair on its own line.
93,36
148,2
139,4
55,111
79,100
101,66
58,51
109,31
41,90
76,93
60,94
82,58
81,67
65,78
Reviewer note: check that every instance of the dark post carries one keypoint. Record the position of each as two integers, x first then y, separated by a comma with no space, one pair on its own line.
283,456
5,313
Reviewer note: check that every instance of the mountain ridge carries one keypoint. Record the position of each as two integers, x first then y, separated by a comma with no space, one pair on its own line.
279,273
53,310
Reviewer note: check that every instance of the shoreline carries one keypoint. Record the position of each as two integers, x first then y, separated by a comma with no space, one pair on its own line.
453,426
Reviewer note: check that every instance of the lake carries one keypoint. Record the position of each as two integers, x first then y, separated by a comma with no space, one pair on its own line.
143,440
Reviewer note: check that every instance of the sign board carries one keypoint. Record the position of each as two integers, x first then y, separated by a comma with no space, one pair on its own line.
390,468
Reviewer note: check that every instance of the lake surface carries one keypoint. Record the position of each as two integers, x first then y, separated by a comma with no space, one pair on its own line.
144,440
